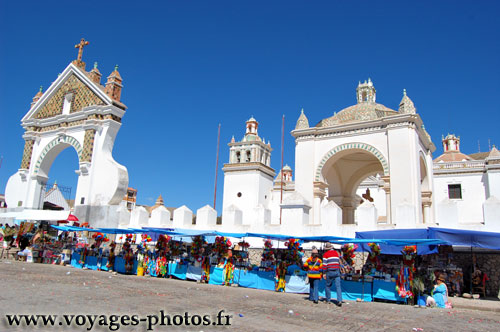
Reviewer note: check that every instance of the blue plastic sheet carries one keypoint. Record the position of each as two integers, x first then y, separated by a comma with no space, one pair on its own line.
409,235
193,273
216,276
266,280
278,237
248,279
478,239
177,270
351,290
236,235
384,290
120,265
296,284
75,260
91,263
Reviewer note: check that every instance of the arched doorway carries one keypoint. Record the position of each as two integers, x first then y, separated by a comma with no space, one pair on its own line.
59,188
343,169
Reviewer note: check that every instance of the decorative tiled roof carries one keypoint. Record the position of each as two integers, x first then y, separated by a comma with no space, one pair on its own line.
83,96
479,155
302,122
406,105
364,111
452,156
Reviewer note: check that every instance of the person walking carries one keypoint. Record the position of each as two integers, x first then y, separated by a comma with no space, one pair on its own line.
331,273
314,267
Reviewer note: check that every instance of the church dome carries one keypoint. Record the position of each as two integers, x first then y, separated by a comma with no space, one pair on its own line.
364,111
452,156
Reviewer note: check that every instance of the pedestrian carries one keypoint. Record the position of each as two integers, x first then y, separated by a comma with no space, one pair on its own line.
314,267
331,273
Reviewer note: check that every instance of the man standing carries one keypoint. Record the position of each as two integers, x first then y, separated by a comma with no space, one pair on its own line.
313,266
331,272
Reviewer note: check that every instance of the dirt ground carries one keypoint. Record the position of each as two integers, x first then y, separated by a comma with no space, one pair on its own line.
57,290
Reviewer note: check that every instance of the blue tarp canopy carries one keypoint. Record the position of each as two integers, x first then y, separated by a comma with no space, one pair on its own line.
121,231
324,239
396,239
488,240
236,235
278,237
73,229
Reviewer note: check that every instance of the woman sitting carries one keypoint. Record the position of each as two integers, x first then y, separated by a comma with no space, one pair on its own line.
439,294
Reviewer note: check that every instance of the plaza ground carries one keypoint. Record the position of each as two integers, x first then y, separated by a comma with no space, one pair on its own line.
50,289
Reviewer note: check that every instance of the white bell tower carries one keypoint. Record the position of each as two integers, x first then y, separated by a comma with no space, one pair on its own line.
248,177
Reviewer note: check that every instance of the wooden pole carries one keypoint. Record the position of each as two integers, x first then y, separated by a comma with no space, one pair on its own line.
281,172
216,165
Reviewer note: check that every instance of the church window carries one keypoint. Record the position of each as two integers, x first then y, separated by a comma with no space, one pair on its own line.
238,156
248,156
455,191
364,97
68,98
238,194
82,200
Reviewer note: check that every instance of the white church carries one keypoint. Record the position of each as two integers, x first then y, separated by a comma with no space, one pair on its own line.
367,167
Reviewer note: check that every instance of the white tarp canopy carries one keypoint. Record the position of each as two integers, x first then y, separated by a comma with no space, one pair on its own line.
36,215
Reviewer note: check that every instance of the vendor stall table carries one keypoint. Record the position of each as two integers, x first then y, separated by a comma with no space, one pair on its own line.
193,273
177,270
216,276
384,290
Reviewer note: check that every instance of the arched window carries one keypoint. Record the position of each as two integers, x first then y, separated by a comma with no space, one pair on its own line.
68,98
248,156
238,156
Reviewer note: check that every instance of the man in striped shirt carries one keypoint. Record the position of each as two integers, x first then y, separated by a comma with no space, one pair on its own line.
331,273
314,268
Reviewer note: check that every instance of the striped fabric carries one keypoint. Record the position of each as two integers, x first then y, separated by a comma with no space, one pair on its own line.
313,268
331,261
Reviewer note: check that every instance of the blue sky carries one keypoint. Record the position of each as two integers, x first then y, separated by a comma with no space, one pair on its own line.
189,65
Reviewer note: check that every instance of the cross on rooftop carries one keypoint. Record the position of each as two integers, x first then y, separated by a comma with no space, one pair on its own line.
80,46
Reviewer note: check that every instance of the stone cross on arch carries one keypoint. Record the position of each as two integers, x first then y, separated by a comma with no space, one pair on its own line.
80,46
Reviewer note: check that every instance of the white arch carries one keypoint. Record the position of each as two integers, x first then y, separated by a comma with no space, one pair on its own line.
55,142
354,146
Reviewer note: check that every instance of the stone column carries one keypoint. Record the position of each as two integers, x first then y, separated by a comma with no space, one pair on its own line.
387,189
426,203
319,192
348,208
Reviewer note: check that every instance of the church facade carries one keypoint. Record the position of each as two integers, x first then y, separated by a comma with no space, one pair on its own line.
367,167
80,113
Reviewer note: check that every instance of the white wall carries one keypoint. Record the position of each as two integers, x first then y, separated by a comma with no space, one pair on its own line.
470,207
255,188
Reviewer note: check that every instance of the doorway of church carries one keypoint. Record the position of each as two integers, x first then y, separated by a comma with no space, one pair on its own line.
354,176
58,188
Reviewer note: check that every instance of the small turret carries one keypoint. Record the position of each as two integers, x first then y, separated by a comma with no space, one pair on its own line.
302,122
37,97
95,75
366,92
406,105
114,85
